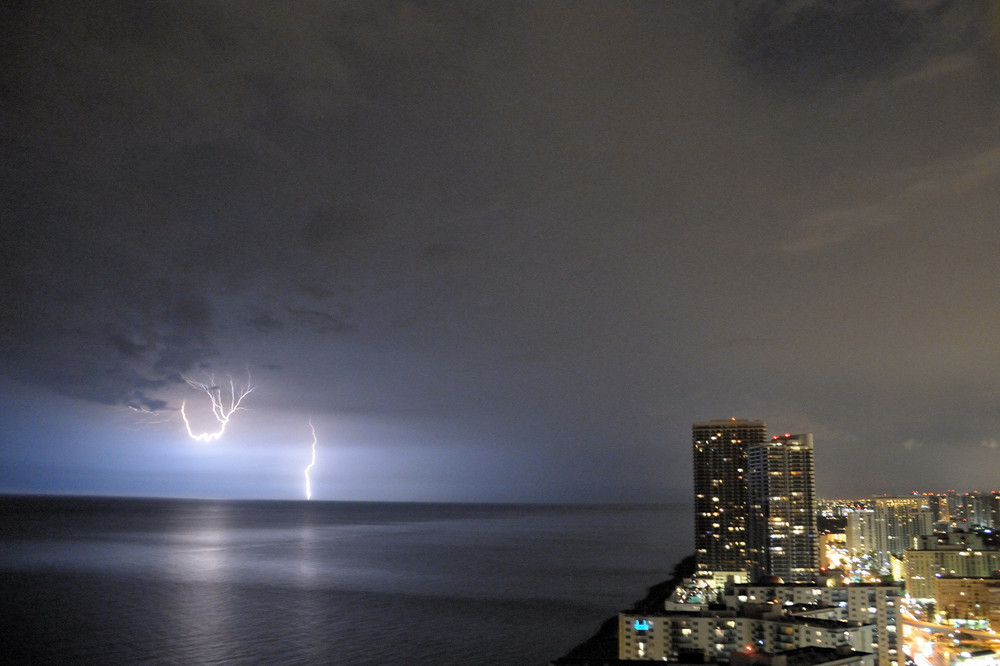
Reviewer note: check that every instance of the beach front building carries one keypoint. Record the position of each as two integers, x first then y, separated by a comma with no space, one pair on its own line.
721,509
809,656
878,605
782,537
714,635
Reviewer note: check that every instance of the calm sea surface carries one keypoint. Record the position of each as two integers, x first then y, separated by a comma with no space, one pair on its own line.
129,581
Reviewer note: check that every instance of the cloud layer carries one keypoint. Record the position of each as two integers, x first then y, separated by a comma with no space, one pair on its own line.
557,232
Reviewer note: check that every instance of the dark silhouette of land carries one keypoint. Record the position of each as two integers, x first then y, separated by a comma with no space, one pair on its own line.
602,647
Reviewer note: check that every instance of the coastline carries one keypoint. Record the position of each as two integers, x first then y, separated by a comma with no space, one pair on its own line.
602,647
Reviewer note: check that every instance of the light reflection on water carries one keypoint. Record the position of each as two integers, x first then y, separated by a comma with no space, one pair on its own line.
203,582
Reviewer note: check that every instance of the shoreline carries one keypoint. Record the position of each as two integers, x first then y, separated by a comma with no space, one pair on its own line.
602,646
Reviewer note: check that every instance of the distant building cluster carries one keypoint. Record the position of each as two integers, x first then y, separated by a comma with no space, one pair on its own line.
784,578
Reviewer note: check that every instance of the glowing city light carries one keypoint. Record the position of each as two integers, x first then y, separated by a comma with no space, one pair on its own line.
311,462
223,407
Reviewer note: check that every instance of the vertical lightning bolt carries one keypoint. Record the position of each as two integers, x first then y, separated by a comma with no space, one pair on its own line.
311,462
223,407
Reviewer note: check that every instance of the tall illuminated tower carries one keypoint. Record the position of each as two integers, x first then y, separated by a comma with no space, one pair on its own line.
782,536
720,492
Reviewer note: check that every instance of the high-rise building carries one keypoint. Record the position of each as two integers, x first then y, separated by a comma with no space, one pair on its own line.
981,510
889,527
900,520
949,506
864,535
782,536
720,492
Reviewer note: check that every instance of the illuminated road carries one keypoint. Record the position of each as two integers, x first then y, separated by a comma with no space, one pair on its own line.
931,644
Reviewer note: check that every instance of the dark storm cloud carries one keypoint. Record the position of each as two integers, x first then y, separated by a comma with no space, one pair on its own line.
143,181
139,401
321,322
317,291
265,323
327,226
558,231
80,295
444,252
810,46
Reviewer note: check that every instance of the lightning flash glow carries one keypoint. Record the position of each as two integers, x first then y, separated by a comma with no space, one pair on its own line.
311,462
223,406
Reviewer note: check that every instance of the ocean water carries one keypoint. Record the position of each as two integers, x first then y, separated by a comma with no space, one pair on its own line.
149,581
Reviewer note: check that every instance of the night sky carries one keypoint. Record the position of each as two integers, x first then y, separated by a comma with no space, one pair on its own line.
496,251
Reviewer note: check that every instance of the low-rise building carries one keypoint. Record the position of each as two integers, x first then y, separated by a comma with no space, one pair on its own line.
866,603
951,555
969,602
716,634
810,656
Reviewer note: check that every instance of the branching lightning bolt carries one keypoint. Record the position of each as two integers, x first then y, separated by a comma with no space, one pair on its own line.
222,408
311,462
